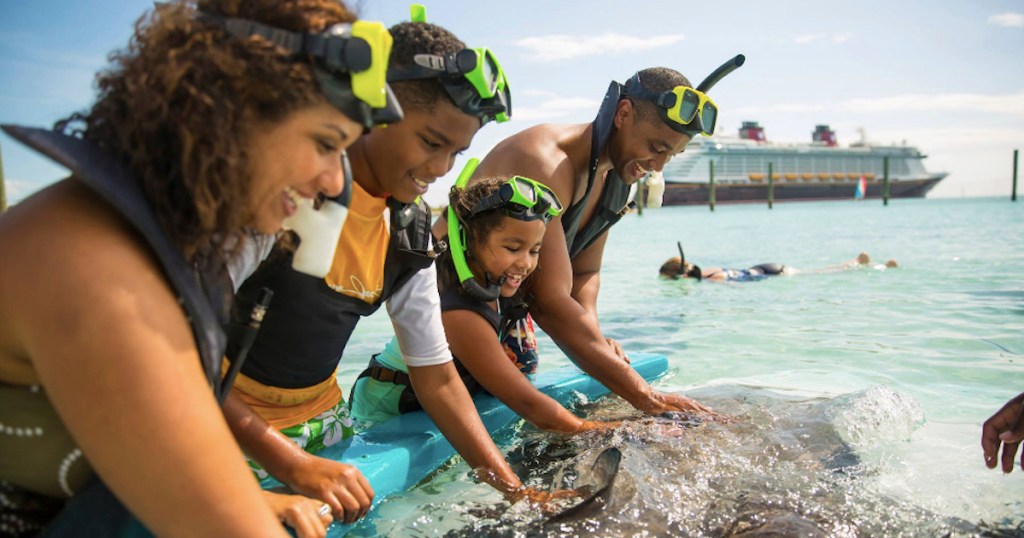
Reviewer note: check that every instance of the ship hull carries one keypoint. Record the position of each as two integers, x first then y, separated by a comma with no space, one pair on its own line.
788,191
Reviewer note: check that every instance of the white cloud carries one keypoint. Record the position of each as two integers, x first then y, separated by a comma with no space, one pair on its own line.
537,93
806,39
836,39
1012,104
839,39
951,102
1013,20
563,47
556,107
782,107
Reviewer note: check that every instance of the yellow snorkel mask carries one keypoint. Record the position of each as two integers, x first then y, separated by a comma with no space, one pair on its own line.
684,109
349,61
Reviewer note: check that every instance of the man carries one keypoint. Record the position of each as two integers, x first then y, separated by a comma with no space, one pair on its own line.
591,167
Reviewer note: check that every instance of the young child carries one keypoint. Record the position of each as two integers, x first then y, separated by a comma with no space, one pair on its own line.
495,232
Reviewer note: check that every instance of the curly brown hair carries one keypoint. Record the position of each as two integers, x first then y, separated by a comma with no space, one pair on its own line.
479,228
410,39
178,105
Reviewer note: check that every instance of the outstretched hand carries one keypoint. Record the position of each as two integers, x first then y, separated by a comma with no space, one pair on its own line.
1005,428
302,514
544,500
340,486
663,402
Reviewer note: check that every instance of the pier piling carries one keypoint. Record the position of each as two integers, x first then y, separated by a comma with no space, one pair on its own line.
885,180
711,185
1013,195
771,186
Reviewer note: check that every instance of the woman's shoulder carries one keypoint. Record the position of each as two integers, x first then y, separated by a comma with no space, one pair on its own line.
65,236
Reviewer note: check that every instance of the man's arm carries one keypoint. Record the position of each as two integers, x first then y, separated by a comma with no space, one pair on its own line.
341,486
586,275
573,327
576,330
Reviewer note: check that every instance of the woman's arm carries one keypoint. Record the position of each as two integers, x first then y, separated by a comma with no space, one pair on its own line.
117,359
474,342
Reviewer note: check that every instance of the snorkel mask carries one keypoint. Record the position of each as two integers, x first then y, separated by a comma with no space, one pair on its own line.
472,78
519,198
349,62
686,110
318,229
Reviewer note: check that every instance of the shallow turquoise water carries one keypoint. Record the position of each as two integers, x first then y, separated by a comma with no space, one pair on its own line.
941,338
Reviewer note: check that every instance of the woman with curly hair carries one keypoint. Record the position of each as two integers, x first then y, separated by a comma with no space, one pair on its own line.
216,122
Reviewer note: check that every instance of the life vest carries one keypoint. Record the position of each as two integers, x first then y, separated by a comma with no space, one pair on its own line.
201,292
203,295
308,324
615,195
512,311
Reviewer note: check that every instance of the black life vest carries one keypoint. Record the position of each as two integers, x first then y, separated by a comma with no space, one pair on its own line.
615,195
204,293
308,324
511,312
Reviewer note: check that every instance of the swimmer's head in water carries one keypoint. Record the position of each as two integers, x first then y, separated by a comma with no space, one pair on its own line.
673,269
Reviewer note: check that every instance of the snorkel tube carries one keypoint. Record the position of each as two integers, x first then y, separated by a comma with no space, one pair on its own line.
695,272
457,247
720,73
318,229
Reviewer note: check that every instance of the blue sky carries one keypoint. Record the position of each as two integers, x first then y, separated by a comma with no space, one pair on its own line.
947,77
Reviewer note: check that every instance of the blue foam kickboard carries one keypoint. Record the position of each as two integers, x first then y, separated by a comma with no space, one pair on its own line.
399,453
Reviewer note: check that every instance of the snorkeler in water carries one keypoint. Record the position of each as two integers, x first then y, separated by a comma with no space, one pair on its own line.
677,267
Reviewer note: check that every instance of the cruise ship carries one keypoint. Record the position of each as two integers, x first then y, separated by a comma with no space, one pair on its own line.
819,170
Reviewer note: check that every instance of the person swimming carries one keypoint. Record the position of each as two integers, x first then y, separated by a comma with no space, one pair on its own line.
677,267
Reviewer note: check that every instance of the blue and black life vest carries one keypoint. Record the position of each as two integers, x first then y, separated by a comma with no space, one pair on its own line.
204,294
307,306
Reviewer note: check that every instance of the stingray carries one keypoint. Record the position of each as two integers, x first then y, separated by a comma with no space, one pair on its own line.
594,495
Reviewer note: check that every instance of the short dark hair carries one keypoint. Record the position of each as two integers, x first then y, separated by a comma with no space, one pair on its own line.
410,39
656,79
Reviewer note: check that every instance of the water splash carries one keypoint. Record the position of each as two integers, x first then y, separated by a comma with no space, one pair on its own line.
784,466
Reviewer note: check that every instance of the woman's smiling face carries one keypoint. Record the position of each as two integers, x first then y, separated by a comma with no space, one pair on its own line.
297,157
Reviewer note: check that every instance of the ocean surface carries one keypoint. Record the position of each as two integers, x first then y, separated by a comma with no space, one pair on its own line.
857,395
